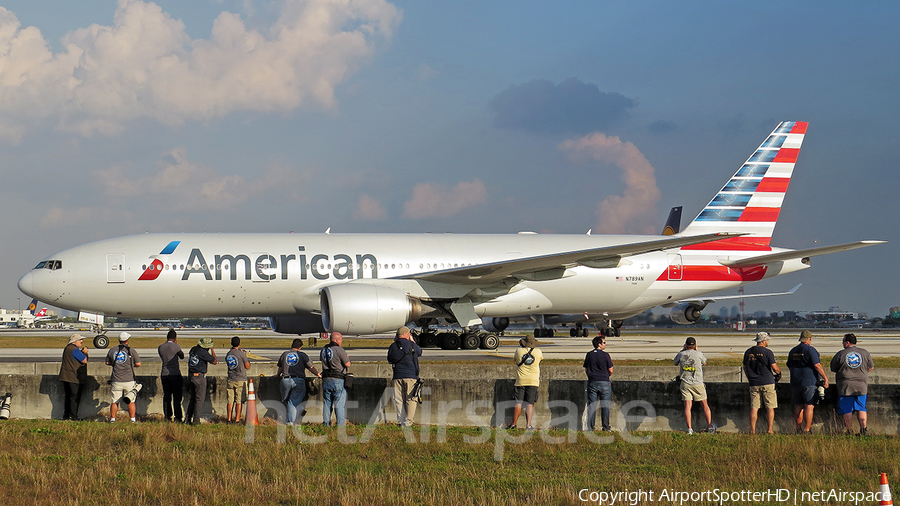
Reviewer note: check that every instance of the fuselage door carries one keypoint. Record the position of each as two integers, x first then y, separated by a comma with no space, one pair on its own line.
115,268
674,267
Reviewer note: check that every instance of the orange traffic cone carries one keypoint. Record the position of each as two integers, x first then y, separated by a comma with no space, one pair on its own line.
252,418
885,491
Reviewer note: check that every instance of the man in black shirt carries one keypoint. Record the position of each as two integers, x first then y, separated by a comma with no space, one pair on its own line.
760,368
599,367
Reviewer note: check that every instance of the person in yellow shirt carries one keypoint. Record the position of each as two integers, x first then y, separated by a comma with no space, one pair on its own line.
528,376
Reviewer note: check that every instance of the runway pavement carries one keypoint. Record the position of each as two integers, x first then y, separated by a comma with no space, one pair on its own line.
634,344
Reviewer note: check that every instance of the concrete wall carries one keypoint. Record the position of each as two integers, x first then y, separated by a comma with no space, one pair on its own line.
472,395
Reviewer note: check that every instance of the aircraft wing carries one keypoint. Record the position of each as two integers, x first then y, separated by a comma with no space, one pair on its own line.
800,253
546,267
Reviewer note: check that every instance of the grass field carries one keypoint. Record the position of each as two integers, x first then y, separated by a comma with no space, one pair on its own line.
52,462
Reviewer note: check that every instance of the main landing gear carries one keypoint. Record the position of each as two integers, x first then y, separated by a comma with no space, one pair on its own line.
543,332
468,340
578,331
612,328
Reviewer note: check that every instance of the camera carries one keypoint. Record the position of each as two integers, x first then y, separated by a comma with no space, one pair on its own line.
131,395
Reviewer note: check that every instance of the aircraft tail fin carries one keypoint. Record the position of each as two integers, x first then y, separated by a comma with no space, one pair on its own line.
32,307
750,201
673,223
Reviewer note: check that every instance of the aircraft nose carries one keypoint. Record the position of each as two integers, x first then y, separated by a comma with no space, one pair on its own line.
26,284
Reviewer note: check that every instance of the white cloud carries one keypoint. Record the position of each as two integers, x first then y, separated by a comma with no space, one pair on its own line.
177,190
431,200
146,66
369,209
632,210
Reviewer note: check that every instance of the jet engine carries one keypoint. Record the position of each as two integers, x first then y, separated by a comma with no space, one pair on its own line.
496,324
300,324
358,309
686,314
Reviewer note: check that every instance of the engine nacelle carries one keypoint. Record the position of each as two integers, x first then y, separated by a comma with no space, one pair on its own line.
496,324
685,314
359,309
300,324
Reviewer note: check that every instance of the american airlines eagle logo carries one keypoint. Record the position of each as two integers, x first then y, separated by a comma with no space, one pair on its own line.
156,266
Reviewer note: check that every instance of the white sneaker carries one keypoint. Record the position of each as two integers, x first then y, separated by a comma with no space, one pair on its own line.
690,431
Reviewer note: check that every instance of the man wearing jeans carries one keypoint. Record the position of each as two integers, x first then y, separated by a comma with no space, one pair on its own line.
599,367
335,363
170,376
292,366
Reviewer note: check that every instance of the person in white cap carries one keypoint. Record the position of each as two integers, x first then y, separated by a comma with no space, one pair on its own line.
73,375
123,360
760,368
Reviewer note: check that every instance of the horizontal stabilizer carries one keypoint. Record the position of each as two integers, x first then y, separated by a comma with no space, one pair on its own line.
705,302
800,253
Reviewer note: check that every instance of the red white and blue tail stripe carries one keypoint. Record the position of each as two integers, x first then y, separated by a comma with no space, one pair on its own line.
751,200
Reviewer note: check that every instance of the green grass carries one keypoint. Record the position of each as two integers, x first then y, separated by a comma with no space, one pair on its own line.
52,462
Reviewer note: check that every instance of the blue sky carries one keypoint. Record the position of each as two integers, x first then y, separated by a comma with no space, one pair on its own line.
239,116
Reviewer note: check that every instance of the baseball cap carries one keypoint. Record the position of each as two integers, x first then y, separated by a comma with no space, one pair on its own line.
124,336
761,337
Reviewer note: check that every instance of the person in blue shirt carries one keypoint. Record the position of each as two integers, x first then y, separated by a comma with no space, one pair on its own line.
73,375
403,355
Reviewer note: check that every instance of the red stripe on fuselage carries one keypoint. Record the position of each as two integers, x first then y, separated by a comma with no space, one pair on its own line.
773,185
717,273
787,155
766,214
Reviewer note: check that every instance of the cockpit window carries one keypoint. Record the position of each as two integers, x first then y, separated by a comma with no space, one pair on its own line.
41,265
50,264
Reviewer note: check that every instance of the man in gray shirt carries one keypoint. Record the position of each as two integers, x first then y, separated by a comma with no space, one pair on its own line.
851,367
236,384
170,353
690,362
123,359
335,363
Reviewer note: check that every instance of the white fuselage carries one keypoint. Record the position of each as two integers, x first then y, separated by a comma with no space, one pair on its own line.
207,275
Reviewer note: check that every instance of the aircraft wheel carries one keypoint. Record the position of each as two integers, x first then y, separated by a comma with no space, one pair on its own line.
452,341
470,341
574,332
489,341
550,332
416,338
538,332
428,340
617,332
101,341
584,332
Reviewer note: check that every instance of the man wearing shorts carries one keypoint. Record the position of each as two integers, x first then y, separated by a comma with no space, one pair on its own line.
690,362
236,383
851,367
123,359
528,374
803,362
760,368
